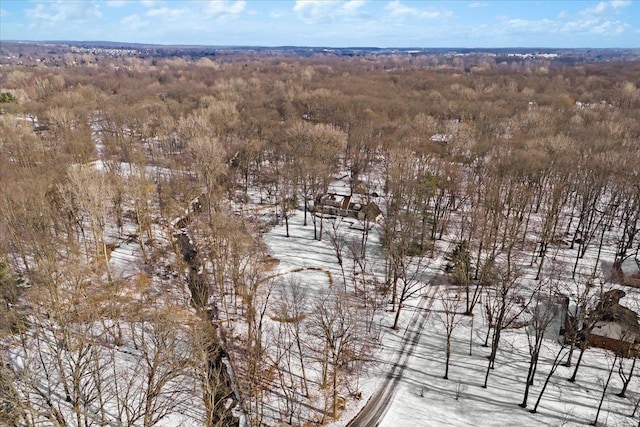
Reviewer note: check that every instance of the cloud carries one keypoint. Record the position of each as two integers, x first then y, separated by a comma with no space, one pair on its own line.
603,6
150,3
134,22
619,4
164,12
399,10
577,27
599,8
315,11
224,7
352,7
532,26
476,4
580,26
325,11
63,13
610,28
4,12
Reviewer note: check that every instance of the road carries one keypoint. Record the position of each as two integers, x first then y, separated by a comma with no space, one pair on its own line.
373,412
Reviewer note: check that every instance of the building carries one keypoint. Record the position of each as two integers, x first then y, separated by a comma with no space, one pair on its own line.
617,326
347,206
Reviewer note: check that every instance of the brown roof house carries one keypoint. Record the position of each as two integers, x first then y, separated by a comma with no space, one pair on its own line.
347,206
617,327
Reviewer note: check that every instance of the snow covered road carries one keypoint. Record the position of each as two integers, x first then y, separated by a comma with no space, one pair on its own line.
375,409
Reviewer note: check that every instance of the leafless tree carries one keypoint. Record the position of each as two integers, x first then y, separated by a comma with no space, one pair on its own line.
542,311
605,386
595,305
338,243
554,366
450,317
341,341
504,298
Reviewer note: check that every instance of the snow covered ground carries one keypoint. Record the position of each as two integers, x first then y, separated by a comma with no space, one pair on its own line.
423,398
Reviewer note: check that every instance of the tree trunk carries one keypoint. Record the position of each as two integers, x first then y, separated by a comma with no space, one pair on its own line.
554,366
583,347
530,374
627,380
446,368
286,223
397,318
604,390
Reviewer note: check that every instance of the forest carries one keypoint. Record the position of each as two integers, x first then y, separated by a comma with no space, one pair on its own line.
147,205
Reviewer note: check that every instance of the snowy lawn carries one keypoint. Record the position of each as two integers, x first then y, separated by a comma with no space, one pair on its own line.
422,396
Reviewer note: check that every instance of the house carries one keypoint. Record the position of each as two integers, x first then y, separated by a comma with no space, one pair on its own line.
617,327
370,212
347,206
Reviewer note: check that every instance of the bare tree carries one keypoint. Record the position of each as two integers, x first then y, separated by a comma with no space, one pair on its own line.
450,317
605,386
505,301
599,307
554,366
141,189
338,243
207,154
461,272
341,344
90,190
294,305
413,279
625,377
541,315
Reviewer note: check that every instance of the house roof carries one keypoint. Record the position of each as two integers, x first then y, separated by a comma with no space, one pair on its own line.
609,310
371,210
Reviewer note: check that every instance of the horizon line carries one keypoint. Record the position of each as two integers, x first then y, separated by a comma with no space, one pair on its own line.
61,41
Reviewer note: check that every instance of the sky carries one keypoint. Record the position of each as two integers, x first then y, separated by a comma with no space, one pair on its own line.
329,23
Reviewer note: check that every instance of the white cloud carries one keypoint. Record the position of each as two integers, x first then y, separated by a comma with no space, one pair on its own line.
315,11
476,4
134,22
4,12
399,10
599,8
224,7
619,4
165,12
323,11
532,26
352,7
63,12
610,28
603,6
150,3
580,27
